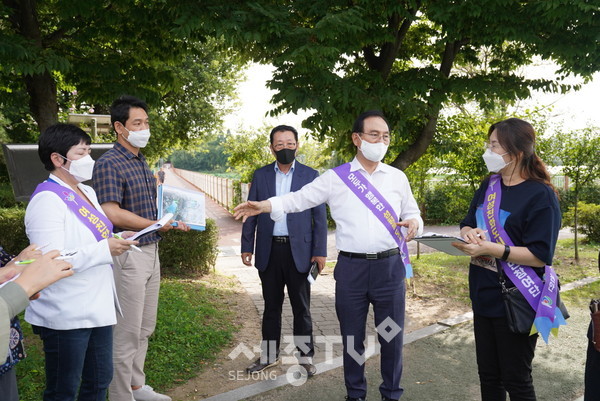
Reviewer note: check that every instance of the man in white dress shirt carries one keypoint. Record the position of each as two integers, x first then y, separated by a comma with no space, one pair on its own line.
370,268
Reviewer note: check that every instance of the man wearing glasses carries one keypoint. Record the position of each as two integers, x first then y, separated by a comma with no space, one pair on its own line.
369,201
285,250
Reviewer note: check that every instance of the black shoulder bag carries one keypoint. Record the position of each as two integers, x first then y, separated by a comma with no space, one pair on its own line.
519,314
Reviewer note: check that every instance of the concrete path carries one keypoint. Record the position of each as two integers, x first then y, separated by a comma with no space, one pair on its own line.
451,375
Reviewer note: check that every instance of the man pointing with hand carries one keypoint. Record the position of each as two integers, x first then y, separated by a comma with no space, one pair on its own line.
367,198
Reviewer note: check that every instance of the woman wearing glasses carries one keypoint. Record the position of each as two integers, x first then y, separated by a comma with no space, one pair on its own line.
513,220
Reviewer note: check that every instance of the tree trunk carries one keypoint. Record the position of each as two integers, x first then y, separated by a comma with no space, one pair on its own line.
42,99
416,150
41,87
576,223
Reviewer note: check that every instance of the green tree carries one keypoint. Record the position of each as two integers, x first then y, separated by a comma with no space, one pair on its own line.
248,151
317,155
408,58
104,49
211,156
580,160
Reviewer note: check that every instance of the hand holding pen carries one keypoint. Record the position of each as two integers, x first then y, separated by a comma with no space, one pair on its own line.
475,236
42,272
118,245
27,255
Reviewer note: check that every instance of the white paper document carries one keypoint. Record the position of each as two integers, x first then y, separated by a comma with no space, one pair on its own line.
152,228
441,243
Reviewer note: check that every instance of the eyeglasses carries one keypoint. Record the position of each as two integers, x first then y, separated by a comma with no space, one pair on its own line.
376,136
492,146
288,145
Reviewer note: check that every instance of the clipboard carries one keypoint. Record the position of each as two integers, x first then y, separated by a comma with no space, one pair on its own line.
441,243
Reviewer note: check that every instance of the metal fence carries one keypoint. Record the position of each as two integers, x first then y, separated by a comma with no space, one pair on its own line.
561,181
221,190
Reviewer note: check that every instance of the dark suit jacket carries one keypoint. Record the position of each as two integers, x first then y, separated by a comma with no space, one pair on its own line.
307,229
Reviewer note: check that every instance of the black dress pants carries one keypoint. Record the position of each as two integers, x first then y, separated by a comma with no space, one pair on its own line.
503,360
281,272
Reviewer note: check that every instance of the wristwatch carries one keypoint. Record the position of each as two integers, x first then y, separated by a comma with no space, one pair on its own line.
506,252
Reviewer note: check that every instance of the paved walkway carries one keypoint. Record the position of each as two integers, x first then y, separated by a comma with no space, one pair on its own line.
424,379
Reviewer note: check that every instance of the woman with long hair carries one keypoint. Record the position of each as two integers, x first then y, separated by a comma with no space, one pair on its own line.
512,225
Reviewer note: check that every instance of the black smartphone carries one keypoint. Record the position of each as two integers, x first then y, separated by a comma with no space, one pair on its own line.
313,272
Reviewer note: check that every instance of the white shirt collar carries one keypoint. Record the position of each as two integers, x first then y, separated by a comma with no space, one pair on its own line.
355,165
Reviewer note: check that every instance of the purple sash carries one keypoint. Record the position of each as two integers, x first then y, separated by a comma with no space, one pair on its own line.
98,223
540,295
376,203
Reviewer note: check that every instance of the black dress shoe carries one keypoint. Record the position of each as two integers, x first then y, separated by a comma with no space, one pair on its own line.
259,366
348,398
384,398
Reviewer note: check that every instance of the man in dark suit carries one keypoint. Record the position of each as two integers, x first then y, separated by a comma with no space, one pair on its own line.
285,250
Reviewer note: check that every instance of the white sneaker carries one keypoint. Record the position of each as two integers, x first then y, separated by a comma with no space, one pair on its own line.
147,393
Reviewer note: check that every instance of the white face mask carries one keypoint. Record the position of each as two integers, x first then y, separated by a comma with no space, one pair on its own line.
373,151
494,161
139,139
81,169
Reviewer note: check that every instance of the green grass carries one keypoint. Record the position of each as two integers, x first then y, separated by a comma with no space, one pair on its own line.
580,297
192,328
439,275
564,261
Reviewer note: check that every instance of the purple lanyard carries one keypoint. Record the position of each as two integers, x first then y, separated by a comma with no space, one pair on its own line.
98,223
376,203
540,295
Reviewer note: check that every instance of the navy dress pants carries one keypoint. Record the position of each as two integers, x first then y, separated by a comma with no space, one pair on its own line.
360,282
280,273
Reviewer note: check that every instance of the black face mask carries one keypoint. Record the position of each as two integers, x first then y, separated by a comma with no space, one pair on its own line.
285,156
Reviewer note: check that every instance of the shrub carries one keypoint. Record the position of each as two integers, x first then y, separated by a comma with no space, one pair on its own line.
189,252
7,197
12,229
588,220
588,194
446,203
